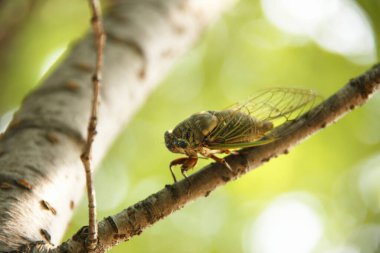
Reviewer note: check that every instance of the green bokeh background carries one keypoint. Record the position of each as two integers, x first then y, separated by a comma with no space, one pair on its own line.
239,54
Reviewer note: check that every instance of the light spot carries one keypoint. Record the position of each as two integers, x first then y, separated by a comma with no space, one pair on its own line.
368,184
338,26
291,223
50,60
5,119
344,249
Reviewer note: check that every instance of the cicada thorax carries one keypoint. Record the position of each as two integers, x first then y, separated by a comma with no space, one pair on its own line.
235,126
195,128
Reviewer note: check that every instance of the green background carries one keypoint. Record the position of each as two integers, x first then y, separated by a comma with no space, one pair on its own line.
332,177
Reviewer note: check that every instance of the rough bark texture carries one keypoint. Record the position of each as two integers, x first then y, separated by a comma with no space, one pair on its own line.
133,220
41,177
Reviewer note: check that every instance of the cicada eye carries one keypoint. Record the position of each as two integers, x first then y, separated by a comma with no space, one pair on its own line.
182,143
169,139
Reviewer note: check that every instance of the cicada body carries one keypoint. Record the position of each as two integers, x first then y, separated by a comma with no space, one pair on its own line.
244,124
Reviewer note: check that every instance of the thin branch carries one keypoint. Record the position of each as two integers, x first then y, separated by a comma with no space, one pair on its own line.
97,25
133,220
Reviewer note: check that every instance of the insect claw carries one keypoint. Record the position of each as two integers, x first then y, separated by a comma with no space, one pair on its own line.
221,160
227,165
183,171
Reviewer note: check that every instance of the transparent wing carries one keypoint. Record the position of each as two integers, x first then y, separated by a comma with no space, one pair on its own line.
278,104
247,123
236,145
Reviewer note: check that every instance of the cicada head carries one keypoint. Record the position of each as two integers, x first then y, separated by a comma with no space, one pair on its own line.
175,144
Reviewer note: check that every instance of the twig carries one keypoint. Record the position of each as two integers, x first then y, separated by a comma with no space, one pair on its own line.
97,25
133,220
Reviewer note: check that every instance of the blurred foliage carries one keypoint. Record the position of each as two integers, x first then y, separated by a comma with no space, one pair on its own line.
337,169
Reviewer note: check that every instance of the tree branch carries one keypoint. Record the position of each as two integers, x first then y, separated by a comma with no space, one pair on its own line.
40,168
133,220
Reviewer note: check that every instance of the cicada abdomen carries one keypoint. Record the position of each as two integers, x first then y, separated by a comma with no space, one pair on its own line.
244,124
234,129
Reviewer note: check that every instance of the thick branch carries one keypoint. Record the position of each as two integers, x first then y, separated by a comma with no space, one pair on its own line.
133,220
41,176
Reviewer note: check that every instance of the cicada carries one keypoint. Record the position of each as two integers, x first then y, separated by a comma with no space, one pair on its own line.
245,124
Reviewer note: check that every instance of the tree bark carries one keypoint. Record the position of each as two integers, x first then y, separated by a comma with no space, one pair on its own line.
41,176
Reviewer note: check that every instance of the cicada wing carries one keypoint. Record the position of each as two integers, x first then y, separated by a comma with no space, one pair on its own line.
238,145
278,105
242,124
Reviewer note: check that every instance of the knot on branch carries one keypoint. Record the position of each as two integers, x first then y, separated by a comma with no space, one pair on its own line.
364,83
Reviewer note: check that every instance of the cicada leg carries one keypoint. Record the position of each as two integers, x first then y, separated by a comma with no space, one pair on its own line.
227,152
220,160
186,164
